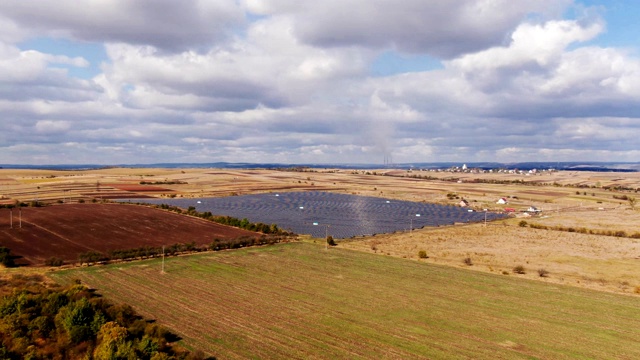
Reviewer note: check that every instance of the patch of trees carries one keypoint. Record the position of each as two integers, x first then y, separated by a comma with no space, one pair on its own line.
297,169
11,206
20,204
47,322
5,257
620,188
54,261
621,197
91,257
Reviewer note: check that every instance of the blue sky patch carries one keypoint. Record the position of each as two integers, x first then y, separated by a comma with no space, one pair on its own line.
94,53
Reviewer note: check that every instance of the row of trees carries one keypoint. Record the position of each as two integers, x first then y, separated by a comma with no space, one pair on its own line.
145,252
165,182
228,220
43,322
19,204
581,230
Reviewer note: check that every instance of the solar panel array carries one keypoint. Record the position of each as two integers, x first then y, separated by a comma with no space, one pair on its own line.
339,215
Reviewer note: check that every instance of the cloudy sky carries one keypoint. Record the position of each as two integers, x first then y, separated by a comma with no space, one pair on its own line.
331,81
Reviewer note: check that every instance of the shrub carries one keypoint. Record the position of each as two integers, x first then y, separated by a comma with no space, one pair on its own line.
54,261
543,273
5,257
519,270
330,241
467,261
422,254
522,223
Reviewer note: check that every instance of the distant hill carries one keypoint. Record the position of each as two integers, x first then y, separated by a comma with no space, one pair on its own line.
573,166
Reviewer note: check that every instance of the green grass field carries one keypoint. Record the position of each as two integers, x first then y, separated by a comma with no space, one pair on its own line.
301,301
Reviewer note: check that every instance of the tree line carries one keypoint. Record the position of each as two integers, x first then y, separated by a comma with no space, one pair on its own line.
146,252
581,230
227,220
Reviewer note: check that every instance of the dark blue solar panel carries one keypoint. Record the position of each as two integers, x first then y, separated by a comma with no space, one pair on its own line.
340,215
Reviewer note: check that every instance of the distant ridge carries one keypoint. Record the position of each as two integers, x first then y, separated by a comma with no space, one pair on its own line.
572,166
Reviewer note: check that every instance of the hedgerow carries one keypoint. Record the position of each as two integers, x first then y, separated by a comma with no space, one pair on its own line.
145,252
582,230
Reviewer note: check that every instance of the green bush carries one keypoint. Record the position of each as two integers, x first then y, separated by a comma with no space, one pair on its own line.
54,261
522,223
519,270
422,254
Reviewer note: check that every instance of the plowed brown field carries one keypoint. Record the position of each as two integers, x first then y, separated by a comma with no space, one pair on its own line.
65,231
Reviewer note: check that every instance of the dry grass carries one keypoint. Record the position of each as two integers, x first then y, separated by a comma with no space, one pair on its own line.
597,262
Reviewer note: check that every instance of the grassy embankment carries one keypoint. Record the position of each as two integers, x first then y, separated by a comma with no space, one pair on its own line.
301,301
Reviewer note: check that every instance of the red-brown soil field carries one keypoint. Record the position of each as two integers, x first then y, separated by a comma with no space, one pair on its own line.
65,231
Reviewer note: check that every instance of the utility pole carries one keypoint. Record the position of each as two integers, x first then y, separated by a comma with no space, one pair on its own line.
326,237
162,272
411,222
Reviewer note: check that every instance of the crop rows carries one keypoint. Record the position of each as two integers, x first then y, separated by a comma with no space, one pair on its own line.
301,301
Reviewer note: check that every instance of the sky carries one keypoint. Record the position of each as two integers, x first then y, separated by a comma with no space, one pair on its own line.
326,82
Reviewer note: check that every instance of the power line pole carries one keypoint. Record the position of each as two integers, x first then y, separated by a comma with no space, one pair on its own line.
162,272
326,237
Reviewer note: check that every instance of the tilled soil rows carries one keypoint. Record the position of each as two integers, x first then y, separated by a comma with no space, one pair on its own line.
65,231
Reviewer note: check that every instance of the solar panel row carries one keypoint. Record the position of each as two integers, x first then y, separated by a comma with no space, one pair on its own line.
339,215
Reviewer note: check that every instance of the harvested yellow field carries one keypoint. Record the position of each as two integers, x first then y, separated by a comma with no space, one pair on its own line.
592,261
